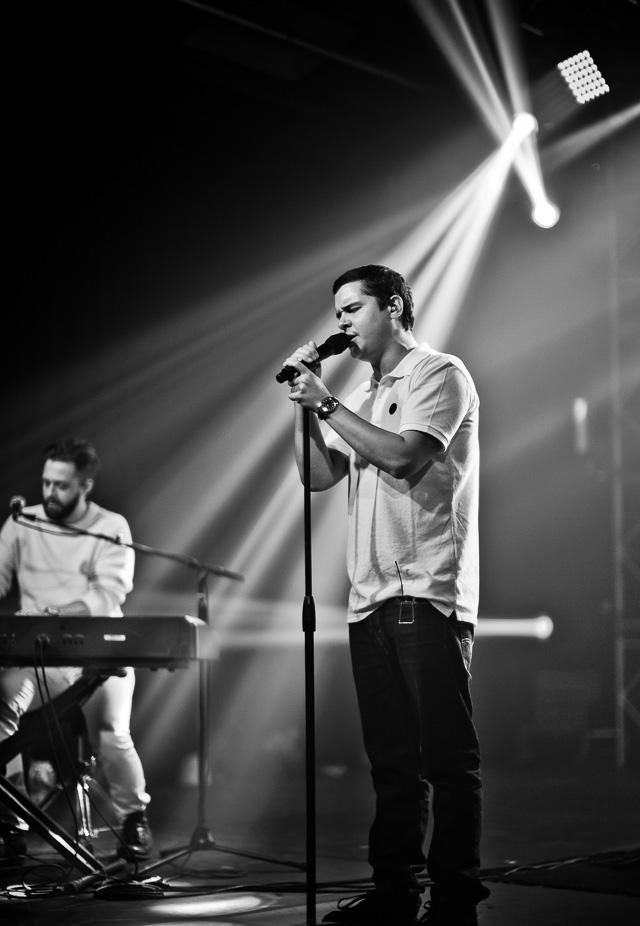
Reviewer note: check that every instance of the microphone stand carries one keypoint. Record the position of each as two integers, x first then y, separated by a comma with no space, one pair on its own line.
336,344
309,627
202,838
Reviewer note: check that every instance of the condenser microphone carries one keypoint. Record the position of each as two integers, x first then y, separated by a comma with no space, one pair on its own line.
16,505
336,344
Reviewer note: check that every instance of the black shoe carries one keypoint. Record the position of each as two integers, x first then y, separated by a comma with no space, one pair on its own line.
443,914
377,908
450,911
454,905
14,841
136,839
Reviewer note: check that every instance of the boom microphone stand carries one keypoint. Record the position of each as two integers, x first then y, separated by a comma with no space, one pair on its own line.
202,839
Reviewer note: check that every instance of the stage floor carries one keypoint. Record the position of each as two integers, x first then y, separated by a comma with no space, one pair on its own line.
560,847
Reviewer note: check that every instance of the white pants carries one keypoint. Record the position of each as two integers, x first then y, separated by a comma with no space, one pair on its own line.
107,714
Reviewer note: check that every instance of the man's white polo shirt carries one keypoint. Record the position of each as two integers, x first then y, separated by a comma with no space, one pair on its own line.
423,529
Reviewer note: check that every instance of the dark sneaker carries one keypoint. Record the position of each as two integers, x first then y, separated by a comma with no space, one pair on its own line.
14,841
443,914
136,839
377,908
454,904
445,911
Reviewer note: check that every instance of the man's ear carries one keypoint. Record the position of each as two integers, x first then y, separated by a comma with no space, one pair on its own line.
396,306
86,485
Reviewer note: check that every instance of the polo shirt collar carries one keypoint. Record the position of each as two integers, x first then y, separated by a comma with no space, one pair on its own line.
405,366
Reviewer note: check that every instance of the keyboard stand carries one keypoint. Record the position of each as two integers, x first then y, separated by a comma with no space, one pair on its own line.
74,852
32,725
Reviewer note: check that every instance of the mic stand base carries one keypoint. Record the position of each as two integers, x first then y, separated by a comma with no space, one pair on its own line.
203,841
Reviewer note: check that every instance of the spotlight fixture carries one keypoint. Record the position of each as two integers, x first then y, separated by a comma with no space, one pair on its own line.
524,124
545,214
582,77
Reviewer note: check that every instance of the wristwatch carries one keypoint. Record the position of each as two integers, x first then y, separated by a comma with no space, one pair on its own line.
327,407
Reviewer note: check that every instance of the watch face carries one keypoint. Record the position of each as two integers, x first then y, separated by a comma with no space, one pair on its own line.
327,406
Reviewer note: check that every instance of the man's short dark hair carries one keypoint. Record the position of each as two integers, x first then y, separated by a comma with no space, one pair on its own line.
75,450
382,283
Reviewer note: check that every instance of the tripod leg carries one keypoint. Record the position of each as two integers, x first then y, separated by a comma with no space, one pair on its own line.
48,829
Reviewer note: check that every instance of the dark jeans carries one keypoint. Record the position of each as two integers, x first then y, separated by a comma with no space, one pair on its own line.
412,683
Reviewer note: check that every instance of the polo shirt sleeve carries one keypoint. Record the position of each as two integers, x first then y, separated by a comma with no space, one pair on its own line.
439,397
335,442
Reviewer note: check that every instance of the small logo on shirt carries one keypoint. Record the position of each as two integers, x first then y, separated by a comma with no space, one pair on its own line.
393,408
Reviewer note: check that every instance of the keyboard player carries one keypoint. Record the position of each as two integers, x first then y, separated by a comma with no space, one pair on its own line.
59,572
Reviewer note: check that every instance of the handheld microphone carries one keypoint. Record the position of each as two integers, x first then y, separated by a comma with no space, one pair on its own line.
16,505
336,344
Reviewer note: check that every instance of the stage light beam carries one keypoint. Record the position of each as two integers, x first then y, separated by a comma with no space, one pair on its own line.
454,36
